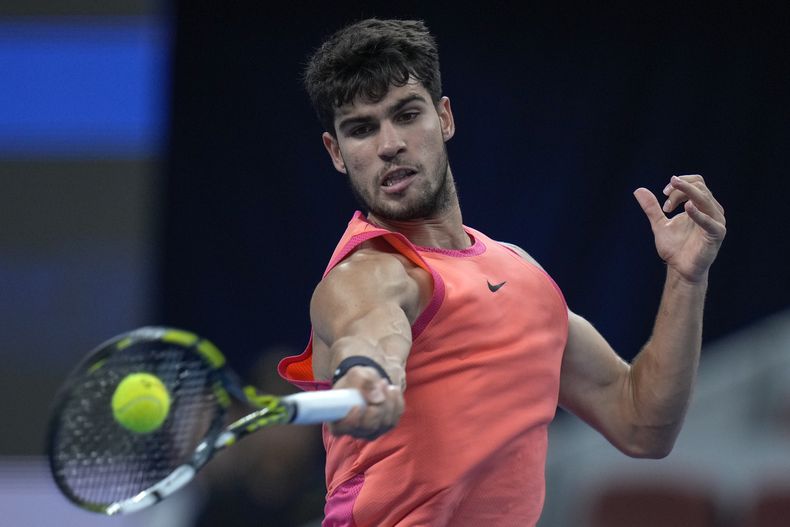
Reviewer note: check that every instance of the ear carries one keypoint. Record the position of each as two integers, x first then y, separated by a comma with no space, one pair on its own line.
446,119
333,148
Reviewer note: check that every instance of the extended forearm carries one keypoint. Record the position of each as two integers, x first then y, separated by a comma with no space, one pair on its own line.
662,375
369,362
390,352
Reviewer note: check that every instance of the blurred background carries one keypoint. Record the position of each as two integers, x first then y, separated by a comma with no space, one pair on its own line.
161,164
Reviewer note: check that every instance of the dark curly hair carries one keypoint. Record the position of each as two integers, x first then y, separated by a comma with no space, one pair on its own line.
365,59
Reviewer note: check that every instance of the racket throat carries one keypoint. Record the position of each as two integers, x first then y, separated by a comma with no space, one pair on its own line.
175,481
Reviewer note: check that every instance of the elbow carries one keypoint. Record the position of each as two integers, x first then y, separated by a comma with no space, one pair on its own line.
651,452
650,446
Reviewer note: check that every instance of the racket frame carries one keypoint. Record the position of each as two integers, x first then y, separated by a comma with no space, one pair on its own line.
299,408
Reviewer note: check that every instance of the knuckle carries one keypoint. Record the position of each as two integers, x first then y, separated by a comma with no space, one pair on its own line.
692,178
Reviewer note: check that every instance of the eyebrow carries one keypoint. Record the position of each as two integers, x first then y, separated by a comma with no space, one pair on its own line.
395,108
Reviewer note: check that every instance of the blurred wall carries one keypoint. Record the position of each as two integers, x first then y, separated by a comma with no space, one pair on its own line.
83,115
218,212
561,114
733,450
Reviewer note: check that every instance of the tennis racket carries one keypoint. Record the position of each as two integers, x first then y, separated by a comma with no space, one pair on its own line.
101,466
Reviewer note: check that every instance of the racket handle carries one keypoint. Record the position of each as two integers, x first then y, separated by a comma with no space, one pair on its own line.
325,405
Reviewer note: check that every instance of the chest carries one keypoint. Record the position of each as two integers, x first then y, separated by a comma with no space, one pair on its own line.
500,316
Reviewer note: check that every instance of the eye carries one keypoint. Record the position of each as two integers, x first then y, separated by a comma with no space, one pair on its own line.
409,116
360,131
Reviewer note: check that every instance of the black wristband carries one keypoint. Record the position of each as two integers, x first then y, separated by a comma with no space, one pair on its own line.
358,360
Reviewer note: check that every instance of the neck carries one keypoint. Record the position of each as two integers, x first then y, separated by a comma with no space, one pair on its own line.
443,229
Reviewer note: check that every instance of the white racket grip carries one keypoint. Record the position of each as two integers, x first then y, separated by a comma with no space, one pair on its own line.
324,405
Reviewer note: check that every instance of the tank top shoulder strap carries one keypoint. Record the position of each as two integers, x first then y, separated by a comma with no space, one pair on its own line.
360,231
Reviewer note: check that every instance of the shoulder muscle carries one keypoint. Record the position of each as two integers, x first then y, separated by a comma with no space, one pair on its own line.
366,281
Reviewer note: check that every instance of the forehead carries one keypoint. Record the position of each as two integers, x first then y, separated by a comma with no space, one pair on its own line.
361,105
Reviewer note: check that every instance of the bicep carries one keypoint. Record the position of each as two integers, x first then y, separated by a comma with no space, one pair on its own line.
359,309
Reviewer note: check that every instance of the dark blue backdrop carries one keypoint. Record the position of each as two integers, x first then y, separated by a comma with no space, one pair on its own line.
560,115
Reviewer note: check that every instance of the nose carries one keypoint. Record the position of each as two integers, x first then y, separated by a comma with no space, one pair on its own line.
390,141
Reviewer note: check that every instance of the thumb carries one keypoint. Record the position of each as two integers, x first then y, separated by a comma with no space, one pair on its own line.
647,200
375,392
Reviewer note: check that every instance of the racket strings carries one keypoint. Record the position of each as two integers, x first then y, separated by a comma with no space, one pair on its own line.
96,460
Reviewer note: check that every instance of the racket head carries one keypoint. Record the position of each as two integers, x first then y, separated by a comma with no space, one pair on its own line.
95,461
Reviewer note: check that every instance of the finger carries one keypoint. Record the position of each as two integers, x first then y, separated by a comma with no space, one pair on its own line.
704,187
375,393
365,379
359,426
698,181
394,406
348,424
676,197
384,418
714,228
691,178
677,194
388,413
698,193
649,203
375,420
371,428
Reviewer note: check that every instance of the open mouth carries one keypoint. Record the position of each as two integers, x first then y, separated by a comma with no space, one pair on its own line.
392,179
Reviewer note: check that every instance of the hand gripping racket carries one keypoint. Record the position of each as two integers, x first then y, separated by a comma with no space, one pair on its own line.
103,467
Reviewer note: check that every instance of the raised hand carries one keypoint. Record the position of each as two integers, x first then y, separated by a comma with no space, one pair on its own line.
688,242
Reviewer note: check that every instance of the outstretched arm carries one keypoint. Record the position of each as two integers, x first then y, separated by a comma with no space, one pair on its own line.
364,308
640,407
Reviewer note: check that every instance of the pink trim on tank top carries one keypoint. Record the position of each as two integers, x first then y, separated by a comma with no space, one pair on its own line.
339,508
438,283
353,242
539,268
475,249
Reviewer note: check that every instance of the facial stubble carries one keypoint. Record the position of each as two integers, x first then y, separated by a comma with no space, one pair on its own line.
429,203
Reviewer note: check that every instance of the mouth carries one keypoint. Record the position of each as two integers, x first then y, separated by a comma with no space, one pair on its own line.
397,180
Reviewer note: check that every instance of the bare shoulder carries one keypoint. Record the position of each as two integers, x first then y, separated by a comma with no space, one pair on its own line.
521,252
370,295
368,278
368,269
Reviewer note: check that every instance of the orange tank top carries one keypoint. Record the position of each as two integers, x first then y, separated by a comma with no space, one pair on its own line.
482,387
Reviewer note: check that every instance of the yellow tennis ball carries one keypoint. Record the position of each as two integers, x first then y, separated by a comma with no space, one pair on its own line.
141,403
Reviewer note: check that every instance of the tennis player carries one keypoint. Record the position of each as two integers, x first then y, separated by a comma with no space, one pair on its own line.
463,346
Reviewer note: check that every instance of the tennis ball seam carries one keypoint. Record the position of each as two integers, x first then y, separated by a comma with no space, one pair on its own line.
141,402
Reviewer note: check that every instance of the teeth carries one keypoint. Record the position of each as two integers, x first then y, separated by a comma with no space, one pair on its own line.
396,176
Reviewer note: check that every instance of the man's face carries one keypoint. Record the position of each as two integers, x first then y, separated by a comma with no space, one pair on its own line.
393,152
